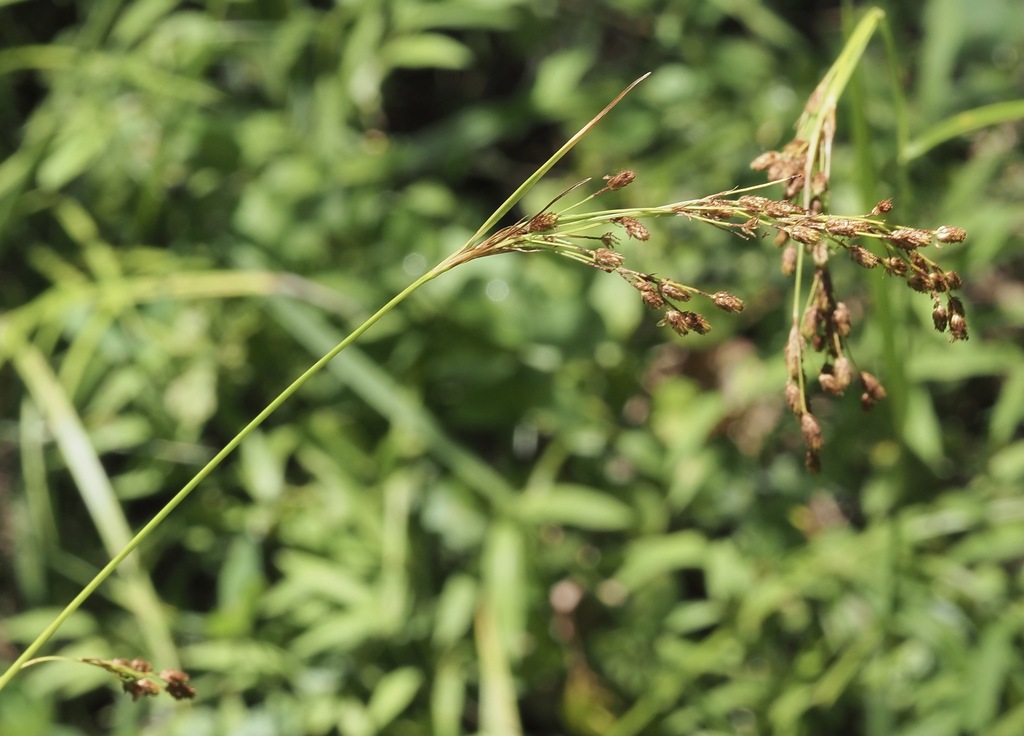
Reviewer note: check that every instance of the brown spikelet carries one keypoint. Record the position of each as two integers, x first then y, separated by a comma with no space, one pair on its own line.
863,257
950,234
811,431
789,260
794,351
727,302
607,259
909,238
882,208
672,290
804,234
649,293
619,180
542,222
633,227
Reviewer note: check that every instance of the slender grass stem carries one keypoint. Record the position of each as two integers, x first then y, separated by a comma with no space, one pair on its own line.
198,478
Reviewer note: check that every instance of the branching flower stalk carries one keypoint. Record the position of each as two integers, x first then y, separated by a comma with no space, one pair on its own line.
821,321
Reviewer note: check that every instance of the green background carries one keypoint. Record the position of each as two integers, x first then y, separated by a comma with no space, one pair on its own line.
517,505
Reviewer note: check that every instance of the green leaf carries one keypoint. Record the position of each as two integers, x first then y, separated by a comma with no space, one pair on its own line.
426,50
961,124
576,506
393,695
454,610
648,558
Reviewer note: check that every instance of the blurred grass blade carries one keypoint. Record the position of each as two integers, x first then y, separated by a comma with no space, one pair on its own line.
97,494
448,697
961,124
499,714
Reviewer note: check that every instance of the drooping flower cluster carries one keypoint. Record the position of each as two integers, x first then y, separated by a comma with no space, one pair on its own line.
801,232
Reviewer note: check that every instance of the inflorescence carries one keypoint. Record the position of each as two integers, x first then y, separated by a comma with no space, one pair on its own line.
799,231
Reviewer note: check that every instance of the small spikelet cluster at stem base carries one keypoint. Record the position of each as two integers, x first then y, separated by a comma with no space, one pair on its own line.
137,678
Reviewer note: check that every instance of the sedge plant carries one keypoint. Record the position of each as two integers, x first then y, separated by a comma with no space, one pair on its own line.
797,219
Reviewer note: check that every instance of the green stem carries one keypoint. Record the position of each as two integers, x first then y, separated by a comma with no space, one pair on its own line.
198,478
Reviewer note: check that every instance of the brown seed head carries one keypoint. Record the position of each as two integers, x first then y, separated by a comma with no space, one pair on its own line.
895,266
809,321
697,323
140,665
727,302
754,203
950,234
909,238
841,319
842,226
674,319
819,183
649,293
177,684
811,431
829,384
863,257
843,371
813,461
749,228
872,386
542,222
788,260
794,353
919,282
882,207
633,227
819,253
940,317
619,180
765,160
783,208
793,397
140,688
672,290
957,327
607,259
804,234
918,261
953,280
794,185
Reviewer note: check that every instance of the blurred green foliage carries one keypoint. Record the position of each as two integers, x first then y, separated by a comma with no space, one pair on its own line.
517,505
